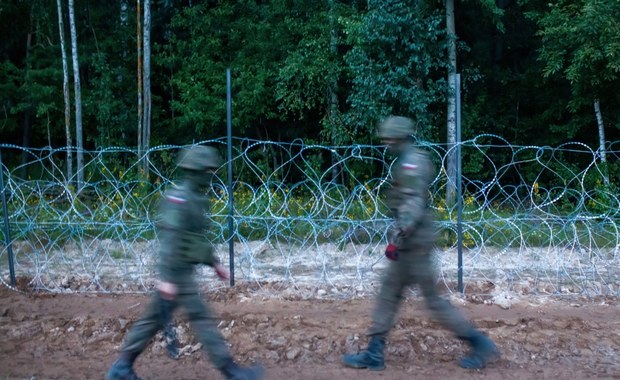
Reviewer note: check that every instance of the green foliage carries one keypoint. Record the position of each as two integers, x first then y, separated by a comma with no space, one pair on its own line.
581,42
298,213
228,35
319,71
39,80
10,77
501,86
397,47
505,227
112,114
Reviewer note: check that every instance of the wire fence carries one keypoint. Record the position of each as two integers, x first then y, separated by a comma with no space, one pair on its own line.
536,219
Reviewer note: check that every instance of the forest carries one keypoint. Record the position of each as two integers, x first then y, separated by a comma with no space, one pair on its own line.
137,74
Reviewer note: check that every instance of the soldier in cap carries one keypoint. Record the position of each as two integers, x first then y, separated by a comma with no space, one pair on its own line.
409,250
181,229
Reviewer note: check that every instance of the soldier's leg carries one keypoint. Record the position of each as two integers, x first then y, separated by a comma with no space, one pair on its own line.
203,322
172,343
136,341
390,296
386,308
483,349
147,326
445,313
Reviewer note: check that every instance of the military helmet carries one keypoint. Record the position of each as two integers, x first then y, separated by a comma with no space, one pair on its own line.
199,158
395,127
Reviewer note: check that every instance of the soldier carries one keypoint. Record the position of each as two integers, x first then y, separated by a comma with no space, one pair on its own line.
181,228
409,250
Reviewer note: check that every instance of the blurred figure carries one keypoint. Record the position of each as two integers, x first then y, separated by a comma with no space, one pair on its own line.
181,227
409,250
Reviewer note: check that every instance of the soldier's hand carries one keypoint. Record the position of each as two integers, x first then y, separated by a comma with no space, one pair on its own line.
168,290
222,272
391,252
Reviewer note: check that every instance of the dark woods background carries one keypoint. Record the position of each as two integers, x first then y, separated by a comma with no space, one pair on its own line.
533,72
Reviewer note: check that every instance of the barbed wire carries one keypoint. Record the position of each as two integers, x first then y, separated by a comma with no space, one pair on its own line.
536,219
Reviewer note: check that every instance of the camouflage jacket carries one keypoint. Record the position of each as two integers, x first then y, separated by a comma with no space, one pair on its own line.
182,227
408,199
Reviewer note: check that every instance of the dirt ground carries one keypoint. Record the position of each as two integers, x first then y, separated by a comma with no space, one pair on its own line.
54,336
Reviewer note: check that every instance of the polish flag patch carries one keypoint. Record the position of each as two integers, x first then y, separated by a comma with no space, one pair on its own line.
410,166
177,200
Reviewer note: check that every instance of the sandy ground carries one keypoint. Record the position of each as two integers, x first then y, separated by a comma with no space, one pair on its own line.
54,336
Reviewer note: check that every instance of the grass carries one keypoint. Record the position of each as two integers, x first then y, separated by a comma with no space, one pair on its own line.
282,213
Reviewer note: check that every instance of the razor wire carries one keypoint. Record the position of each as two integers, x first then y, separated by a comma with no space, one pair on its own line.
536,219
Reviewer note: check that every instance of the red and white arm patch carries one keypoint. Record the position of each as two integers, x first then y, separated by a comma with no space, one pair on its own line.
407,166
177,200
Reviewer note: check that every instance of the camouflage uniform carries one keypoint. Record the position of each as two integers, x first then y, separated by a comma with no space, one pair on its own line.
182,227
412,174
413,236
183,246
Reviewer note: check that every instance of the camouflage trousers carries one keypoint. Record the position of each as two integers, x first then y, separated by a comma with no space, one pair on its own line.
201,319
414,267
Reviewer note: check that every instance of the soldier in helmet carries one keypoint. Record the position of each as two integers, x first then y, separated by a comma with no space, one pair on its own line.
181,229
409,250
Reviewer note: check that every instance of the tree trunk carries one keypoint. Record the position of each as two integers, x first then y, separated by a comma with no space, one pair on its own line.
601,130
451,123
333,92
27,127
124,21
65,92
139,42
601,139
78,99
146,123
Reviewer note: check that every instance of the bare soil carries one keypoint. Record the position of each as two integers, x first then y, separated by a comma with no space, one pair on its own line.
46,336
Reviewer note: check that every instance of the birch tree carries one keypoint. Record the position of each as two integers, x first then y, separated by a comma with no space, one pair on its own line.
333,114
601,130
78,99
139,67
146,122
581,43
451,100
65,91
492,9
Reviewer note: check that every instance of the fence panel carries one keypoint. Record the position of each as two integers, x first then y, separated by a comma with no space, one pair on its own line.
536,219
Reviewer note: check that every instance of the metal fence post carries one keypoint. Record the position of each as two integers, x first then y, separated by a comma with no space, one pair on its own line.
231,239
459,180
7,231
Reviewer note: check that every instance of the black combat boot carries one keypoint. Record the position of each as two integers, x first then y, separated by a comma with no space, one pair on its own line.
122,369
483,350
371,358
233,371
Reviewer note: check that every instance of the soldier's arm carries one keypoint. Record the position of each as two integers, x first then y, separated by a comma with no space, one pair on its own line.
205,249
416,176
202,250
208,256
168,228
